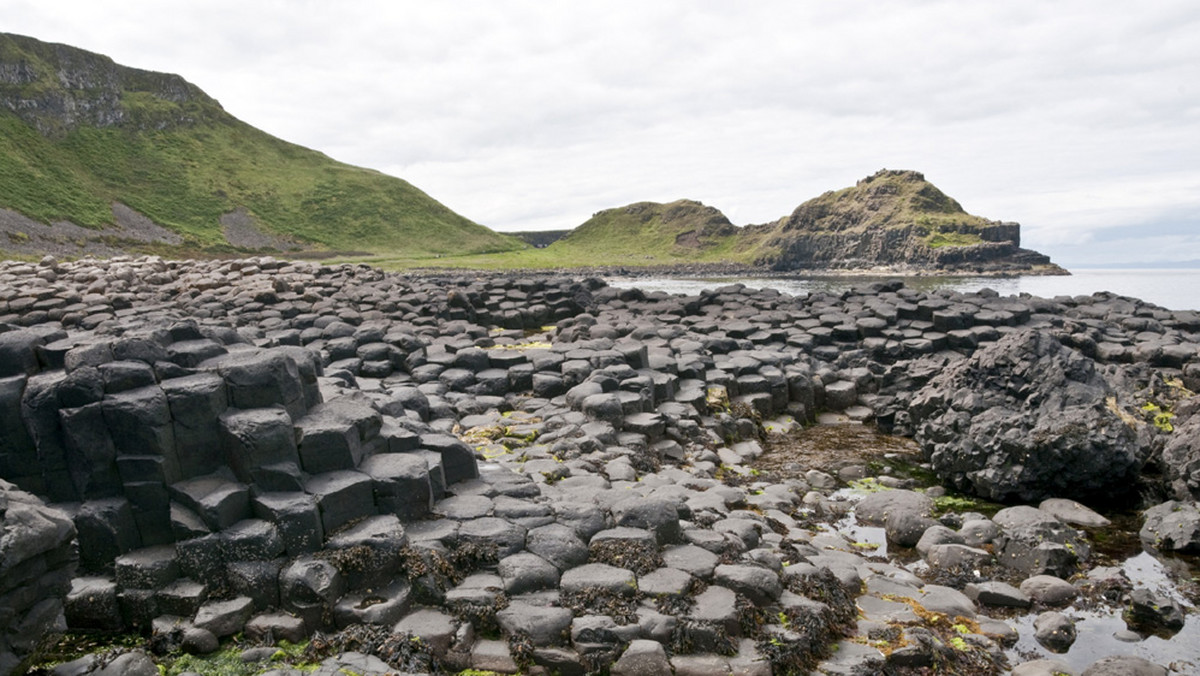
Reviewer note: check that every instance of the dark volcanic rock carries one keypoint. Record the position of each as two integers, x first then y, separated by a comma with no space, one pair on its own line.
1181,459
592,457
1172,526
884,221
1024,419
37,560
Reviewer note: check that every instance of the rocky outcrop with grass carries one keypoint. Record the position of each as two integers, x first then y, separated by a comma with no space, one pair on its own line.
894,220
428,473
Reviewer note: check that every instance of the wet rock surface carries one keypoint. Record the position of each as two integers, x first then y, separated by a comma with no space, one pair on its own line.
550,474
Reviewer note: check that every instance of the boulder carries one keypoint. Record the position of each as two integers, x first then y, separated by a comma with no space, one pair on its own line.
1054,630
1154,612
1036,542
309,588
1172,526
1049,590
1026,418
1181,459
1071,512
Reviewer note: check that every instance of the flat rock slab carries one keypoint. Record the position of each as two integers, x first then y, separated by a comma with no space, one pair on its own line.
692,559
665,582
493,656
599,576
1069,511
642,658
1049,590
431,626
381,606
882,610
716,605
946,600
506,536
354,663
1044,668
996,593
756,583
852,659
545,626
225,618
1124,665
149,568
876,508
464,507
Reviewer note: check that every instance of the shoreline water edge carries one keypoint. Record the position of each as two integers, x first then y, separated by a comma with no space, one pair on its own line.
1171,288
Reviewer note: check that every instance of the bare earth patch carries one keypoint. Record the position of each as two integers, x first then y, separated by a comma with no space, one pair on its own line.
20,234
241,230
135,226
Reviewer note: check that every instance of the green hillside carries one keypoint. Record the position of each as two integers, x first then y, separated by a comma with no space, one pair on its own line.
680,231
78,133
644,234
890,222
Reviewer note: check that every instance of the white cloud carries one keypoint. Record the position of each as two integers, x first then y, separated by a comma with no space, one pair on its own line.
1071,117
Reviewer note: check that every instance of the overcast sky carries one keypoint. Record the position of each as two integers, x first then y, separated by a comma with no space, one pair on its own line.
1080,119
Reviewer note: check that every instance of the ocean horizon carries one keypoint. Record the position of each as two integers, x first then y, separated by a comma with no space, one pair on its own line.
1173,289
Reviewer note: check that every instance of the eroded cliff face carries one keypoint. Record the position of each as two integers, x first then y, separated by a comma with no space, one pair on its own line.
898,248
57,88
895,220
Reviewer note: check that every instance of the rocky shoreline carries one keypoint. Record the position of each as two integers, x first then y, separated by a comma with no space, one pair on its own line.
718,270
539,472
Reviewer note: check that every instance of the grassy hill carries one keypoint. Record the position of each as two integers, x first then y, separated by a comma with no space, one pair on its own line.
79,133
680,231
644,234
891,221
884,200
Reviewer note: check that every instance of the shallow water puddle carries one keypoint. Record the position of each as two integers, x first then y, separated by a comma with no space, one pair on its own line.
838,446
1096,631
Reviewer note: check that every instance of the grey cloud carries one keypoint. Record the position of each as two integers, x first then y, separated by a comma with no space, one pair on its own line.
1071,117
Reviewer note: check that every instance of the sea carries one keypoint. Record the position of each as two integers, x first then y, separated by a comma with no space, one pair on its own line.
1173,289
